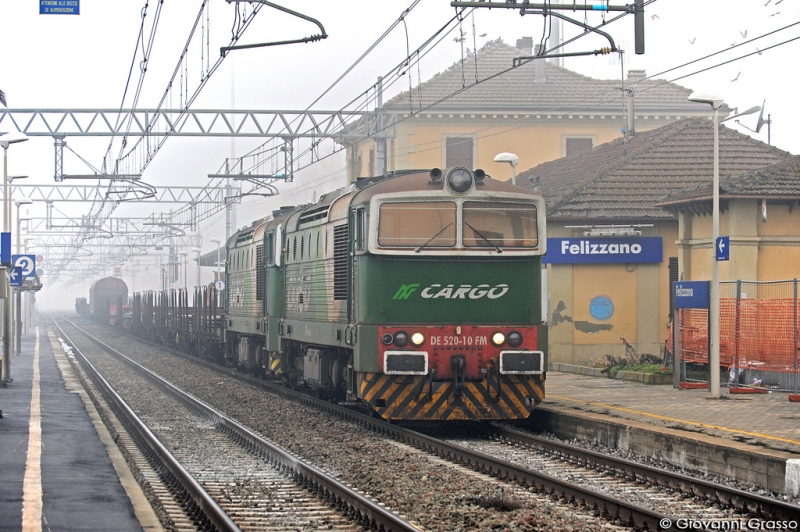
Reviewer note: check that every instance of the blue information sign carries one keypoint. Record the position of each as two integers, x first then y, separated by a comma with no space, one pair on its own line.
691,294
59,7
5,248
723,248
595,250
16,277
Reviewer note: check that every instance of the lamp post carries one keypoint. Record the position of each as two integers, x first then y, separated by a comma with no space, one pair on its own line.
18,292
184,254
5,141
197,260
713,304
217,241
511,159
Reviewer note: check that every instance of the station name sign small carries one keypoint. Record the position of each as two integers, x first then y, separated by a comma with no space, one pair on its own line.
642,249
59,7
691,294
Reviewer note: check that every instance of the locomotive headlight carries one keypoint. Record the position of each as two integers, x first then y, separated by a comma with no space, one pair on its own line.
498,339
459,180
514,339
417,339
387,338
400,339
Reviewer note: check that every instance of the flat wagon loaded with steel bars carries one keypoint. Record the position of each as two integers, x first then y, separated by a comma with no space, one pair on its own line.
417,293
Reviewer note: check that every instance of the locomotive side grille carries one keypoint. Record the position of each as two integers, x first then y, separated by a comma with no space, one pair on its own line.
340,262
259,272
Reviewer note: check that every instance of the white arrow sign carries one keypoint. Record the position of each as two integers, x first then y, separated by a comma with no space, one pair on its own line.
722,246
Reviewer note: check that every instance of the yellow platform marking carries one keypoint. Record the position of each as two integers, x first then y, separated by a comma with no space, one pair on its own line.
665,418
32,484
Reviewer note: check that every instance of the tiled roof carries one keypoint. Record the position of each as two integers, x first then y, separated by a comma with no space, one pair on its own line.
615,181
781,180
563,89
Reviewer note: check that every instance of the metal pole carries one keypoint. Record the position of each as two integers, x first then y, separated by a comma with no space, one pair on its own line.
18,301
217,269
513,174
676,345
7,300
713,358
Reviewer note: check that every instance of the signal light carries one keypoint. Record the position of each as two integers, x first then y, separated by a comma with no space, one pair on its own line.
400,339
417,339
387,338
459,180
514,339
498,339
436,174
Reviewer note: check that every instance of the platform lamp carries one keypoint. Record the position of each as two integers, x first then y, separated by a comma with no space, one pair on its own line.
217,241
716,102
184,254
5,141
511,159
197,252
18,292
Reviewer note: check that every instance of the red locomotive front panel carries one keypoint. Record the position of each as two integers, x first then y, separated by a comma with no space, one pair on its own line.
456,372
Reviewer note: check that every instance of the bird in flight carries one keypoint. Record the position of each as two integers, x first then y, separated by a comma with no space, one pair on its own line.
655,17
737,77
743,34
691,41
483,35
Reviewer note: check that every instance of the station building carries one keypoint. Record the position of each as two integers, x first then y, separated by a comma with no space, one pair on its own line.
539,111
627,218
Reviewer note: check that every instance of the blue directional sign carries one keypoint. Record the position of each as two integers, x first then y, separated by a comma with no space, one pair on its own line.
723,248
691,294
5,248
26,263
59,7
15,276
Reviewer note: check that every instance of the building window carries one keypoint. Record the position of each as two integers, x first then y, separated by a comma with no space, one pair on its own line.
458,152
577,145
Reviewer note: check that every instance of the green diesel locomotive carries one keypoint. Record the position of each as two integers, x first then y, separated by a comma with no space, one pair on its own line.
417,293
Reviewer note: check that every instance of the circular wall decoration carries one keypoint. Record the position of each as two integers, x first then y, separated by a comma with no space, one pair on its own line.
601,308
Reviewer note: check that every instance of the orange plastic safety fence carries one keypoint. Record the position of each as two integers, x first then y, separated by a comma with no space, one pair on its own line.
754,334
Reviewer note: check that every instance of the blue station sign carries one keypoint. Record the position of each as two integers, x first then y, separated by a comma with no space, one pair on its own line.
691,294
596,250
59,7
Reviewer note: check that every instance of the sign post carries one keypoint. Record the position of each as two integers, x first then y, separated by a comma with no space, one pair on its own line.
687,294
723,248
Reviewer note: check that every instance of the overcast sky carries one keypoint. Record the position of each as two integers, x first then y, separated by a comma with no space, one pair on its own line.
82,62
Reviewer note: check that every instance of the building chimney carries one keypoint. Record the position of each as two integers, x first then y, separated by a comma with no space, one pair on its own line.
541,75
630,129
555,41
636,75
525,45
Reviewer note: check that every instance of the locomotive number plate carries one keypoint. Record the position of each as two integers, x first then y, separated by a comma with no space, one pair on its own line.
460,340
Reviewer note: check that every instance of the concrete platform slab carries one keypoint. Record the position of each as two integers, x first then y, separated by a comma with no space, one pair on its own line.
57,474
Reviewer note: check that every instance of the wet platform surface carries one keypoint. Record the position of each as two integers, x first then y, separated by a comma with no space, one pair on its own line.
57,472
769,421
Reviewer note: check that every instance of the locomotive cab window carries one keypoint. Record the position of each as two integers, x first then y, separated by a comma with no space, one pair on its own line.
269,253
418,223
504,225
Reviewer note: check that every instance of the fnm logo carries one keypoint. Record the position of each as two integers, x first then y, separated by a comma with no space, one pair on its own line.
406,290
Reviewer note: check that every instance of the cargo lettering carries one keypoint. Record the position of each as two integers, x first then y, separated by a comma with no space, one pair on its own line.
464,291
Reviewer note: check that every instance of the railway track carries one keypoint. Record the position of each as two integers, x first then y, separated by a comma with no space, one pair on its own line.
216,468
727,500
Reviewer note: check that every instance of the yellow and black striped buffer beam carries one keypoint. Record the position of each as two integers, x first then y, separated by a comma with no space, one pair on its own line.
419,398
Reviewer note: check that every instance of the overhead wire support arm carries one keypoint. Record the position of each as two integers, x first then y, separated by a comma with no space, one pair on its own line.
313,38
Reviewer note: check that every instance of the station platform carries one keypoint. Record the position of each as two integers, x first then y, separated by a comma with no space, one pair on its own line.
59,467
754,437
